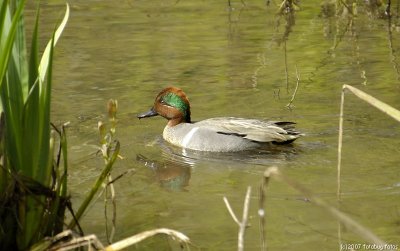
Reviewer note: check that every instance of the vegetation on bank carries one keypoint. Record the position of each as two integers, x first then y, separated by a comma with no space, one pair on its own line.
33,180
34,198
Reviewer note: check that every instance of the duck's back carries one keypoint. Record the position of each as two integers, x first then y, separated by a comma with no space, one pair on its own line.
227,134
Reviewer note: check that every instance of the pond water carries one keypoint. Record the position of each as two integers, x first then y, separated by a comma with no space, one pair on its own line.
239,61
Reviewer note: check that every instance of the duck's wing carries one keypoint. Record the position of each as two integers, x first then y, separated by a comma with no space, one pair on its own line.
253,129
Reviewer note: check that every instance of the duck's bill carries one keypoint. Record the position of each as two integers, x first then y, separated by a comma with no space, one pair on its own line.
150,113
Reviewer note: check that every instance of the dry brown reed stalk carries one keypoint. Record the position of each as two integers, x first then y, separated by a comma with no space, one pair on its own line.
261,212
350,224
144,235
340,140
242,224
67,240
385,108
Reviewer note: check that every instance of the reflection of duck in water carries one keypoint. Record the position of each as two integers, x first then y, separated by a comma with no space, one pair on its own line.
173,176
224,134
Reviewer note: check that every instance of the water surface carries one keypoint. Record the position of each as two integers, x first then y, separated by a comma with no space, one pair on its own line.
231,62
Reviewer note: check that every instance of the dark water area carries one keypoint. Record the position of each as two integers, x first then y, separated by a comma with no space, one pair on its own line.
243,61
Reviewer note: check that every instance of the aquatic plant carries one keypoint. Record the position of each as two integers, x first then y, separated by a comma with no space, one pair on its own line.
33,182
109,149
33,177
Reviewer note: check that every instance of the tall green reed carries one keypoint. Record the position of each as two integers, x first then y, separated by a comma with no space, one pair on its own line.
32,185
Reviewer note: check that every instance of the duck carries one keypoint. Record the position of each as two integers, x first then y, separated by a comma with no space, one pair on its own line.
220,134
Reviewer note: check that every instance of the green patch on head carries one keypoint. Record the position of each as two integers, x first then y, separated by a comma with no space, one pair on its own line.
176,101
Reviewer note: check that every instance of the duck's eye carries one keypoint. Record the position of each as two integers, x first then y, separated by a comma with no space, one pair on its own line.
163,102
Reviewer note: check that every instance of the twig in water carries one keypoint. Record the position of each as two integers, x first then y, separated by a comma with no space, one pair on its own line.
387,10
228,206
110,184
286,67
340,140
120,176
261,211
393,56
245,217
290,105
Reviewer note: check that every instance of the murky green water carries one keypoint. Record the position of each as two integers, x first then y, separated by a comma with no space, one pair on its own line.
231,63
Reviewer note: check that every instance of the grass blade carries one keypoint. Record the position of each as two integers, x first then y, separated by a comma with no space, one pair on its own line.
45,57
34,60
6,48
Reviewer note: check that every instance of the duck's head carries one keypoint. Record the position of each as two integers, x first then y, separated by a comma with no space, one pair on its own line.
172,104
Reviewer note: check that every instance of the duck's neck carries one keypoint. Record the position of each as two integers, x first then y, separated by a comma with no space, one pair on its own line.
177,121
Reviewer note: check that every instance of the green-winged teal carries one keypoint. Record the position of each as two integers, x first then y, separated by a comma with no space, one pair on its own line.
223,134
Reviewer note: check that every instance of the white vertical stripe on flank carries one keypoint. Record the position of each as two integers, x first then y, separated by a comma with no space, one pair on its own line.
188,137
